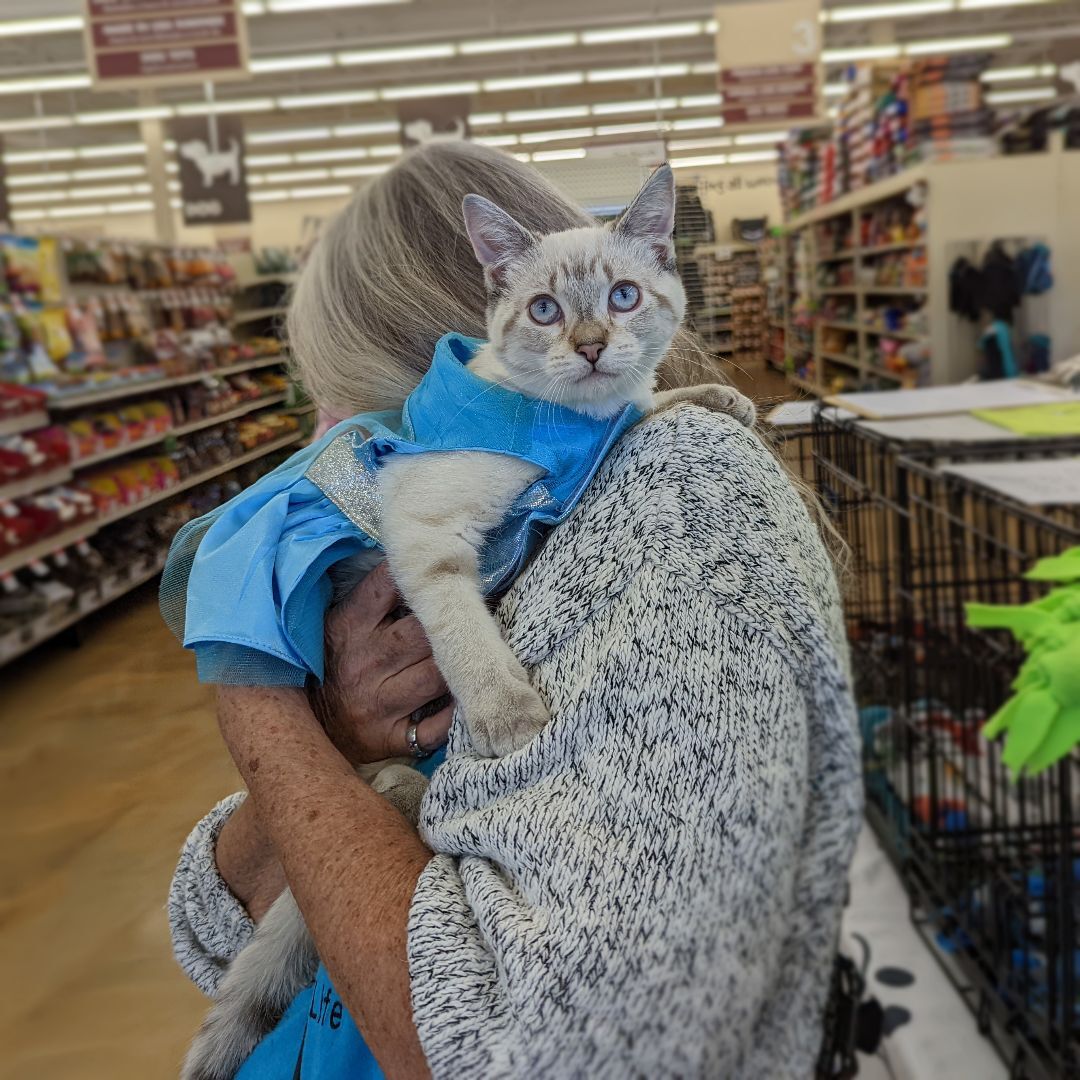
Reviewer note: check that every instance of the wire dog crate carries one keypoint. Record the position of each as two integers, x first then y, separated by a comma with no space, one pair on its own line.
992,866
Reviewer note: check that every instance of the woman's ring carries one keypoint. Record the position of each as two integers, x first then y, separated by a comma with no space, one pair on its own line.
415,748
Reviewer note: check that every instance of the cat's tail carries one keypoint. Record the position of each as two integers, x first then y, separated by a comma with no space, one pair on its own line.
271,970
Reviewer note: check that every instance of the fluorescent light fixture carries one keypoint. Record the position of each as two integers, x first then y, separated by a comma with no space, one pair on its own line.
518,44
754,156
256,161
266,138
268,196
522,157
281,7
176,203
255,179
33,157
14,180
699,144
143,206
561,112
129,149
836,89
326,192
399,93
971,5
861,12
77,211
111,172
1015,74
647,71
387,150
315,101
559,155
58,24
529,82
607,108
632,129
395,54
372,127
964,44
696,123
308,62
359,170
350,153
103,192
1016,97
17,198
711,26
295,176
36,123
28,215
237,105
253,7
125,116
645,32
754,137
489,140
44,84
485,119
833,113
174,185
700,101
860,52
556,136
705,67
698,162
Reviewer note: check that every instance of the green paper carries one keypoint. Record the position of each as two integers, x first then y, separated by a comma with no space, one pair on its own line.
1063,735
1053,418
1063,567
1034,713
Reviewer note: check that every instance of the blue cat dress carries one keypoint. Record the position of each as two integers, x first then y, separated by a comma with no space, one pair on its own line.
246,587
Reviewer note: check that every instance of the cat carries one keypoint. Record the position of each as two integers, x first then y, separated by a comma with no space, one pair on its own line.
583,318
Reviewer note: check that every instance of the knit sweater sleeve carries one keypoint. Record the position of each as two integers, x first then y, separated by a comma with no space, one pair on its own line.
611,901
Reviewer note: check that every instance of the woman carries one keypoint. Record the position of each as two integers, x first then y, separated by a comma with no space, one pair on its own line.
653,885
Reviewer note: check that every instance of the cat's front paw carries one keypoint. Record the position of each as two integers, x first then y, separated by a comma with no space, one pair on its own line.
404,787
508,715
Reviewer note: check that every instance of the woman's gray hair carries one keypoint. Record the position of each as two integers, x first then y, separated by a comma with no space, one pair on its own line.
394,271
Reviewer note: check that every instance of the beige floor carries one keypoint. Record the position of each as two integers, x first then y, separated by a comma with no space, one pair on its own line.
108,754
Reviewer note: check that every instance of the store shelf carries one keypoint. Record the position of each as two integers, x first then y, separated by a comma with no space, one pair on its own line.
841,358
26,422
182,429
838,290
883,189
838,256
902,334
893,290
285,277
150,386
57,542
852,327
256,314
895,376
888,249
38,482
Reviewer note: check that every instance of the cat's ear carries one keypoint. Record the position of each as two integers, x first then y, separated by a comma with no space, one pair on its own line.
651,216
498,240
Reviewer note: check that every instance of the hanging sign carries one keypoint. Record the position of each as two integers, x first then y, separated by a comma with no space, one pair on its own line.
5,205
213,183
426,120
769,55
164,42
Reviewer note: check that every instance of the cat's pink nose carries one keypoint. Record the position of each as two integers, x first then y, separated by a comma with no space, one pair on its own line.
592,350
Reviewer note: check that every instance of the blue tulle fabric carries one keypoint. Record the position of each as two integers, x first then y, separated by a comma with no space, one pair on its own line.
246,587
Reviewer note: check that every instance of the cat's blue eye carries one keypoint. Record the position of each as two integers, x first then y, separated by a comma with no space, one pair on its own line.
544,310
625,296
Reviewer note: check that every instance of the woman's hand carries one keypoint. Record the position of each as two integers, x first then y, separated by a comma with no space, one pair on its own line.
379,670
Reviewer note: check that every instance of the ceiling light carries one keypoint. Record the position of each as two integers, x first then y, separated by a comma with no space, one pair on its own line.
36,123
706,67
314,101
345,154
485,119
113,150
697,162
631,129
396,54
648,71
112,172
1009,74
255,179
268,196
17,198
176,203
244,105
296,175
14,180
860,52
1009,97
756,155
311,62
710,26
518,44
562,112
700,101
359,170
760,137
859,12
399,93
171,167
489,140
389,150
255,161
645,32
55,25
556,136
971,5
836,89
559,155
606,108
77,211
28,215
253,7
375,127
42,85
139,207
264,138
281,7
32,157
174,185
693,123
966,44
103,192
320,192
528,82
699,144
123,116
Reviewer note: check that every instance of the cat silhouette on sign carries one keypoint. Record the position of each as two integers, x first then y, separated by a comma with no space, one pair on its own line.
423,131
213,163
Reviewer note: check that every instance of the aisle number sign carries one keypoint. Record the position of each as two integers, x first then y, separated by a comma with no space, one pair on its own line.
769,55
146,43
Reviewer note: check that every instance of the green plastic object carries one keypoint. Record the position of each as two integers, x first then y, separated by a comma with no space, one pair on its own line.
1041,721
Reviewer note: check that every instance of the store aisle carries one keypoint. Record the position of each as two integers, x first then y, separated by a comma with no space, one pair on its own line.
108,753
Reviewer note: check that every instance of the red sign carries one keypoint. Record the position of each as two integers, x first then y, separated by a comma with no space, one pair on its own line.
768,111
768,72
142,42
769,91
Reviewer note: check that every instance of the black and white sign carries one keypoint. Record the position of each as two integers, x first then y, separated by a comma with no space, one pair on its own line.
213,183
433,119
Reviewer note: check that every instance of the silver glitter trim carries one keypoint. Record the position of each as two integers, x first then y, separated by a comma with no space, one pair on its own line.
349,485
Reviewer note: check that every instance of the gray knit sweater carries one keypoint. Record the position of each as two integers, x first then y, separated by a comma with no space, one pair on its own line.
653,886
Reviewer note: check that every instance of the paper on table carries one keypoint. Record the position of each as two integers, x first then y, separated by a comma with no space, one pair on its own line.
937,400
1040,482
1053,418
953,428
799,413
